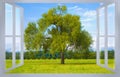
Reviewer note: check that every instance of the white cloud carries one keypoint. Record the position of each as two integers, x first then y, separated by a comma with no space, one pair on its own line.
86,19
87,24
60,4
112,5
77,10
83,12
90,13
73,8
86,15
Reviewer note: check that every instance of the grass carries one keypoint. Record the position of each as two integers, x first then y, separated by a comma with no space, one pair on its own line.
110,63
9,63
53,66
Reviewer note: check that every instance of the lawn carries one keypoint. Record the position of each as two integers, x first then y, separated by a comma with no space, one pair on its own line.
54,66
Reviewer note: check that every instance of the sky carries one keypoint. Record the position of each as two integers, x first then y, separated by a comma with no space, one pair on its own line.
87,13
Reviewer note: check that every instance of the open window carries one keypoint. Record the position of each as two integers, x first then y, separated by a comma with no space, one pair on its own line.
106,36
13,36
9,38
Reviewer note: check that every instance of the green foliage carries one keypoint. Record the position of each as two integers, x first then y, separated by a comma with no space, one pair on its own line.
110,54
38,41
29,35
8,55
59,43
84,40
67,31
68,55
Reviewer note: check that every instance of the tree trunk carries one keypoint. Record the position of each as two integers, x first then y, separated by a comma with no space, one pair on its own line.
62,57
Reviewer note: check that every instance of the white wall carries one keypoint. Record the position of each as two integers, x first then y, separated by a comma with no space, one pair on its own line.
2,40
61,1
117,27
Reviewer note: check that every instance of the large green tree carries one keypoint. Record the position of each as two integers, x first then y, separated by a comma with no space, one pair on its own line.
64,30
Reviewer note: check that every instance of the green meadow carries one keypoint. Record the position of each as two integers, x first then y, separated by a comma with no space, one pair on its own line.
72,66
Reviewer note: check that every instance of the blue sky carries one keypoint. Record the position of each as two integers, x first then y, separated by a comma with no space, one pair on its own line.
87,13
33,12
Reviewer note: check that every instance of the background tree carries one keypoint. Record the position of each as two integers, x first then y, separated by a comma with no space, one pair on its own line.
56,55
29,35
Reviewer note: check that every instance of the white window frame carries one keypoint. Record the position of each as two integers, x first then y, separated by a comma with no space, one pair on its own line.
105,36
117,38
14,36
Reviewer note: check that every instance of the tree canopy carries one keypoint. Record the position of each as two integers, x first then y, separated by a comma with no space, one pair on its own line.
57,30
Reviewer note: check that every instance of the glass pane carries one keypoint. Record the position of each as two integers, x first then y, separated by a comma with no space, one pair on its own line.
111,19
111,51
102,21
18,49
18,44
102,49
18,27
8,49
8,19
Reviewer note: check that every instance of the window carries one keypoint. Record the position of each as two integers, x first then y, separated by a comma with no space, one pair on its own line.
13,36
7,36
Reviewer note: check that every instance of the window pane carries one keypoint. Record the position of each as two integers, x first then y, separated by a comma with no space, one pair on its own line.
8,44
18,49
8,49
8,19
102,21
18,28
111,51
102,49
18,44
111,19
